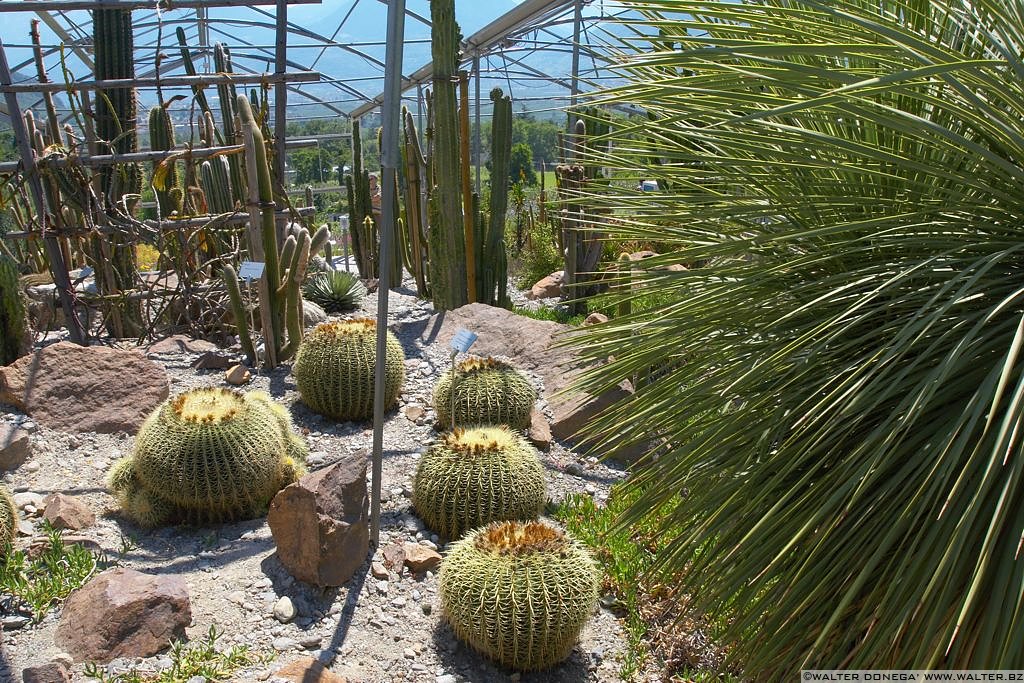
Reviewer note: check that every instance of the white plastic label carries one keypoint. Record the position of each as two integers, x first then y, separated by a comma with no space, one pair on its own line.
462,340
251,270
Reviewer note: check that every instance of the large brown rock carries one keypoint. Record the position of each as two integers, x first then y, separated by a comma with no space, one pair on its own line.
320,523
68,512
15,447
84,388
548,287
124,613
530,344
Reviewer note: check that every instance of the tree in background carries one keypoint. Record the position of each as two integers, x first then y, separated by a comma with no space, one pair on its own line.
836,393
521,164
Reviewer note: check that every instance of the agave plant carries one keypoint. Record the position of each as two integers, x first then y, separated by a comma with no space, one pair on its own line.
841,393
334,290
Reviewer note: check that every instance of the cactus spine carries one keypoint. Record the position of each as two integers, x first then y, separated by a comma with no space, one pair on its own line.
208,455
335,365
447,237
470,478
519,592
13,330
487,392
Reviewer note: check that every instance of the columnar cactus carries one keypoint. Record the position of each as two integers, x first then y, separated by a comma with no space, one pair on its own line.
470,478
208,455
8,517
12,313
519,592
335,365
487,392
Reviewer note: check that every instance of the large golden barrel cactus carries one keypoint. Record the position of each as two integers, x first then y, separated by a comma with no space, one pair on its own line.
519,592
335,365
470,478
209,455
487,392
8,517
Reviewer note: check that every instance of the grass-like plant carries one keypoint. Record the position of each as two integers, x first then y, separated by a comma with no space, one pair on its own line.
49,578
335,290
847,175
200,658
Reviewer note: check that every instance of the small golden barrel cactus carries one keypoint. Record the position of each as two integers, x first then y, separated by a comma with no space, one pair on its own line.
470,478
487,392
335,365
8,517
519,592
208,455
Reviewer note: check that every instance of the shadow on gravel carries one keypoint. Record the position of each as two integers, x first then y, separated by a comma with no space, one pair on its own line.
458,657
181,549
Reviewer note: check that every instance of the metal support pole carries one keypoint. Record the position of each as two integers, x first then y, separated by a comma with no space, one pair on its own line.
57,265
476,113
577,25
389,158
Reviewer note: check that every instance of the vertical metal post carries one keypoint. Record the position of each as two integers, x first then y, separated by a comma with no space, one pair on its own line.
389,159
203,26
476,113
28,159
577,25
280,92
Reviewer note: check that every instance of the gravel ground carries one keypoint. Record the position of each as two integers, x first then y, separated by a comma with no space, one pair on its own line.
369,630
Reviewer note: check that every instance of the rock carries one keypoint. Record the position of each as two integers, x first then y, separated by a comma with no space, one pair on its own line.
308,670
283,644
84,388
539,433
379,571
68,512
27,498
595,319
238,375
413,413
312,314
38,545
394,557
548,287
320,523
420,558
530,345
179,343
124,613
284,609
15,446
53,672
213,360
641,255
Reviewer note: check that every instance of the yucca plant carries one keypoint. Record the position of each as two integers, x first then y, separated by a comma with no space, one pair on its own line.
334,290
839,389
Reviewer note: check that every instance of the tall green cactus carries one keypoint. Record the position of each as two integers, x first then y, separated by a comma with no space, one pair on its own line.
116,127
215,179
447,237
284,265
12,313
492,263
415,205
227,95
361,227
161,137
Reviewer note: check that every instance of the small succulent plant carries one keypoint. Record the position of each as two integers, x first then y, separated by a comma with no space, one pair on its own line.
487,392
335,365
208,455
470,478
519,592
335,290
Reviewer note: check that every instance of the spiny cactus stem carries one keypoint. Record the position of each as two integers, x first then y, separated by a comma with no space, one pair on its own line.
467,194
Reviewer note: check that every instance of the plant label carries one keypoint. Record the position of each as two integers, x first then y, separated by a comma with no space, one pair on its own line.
462,340
251,270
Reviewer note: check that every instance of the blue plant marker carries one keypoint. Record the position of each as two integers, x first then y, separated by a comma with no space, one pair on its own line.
251,270
462,340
